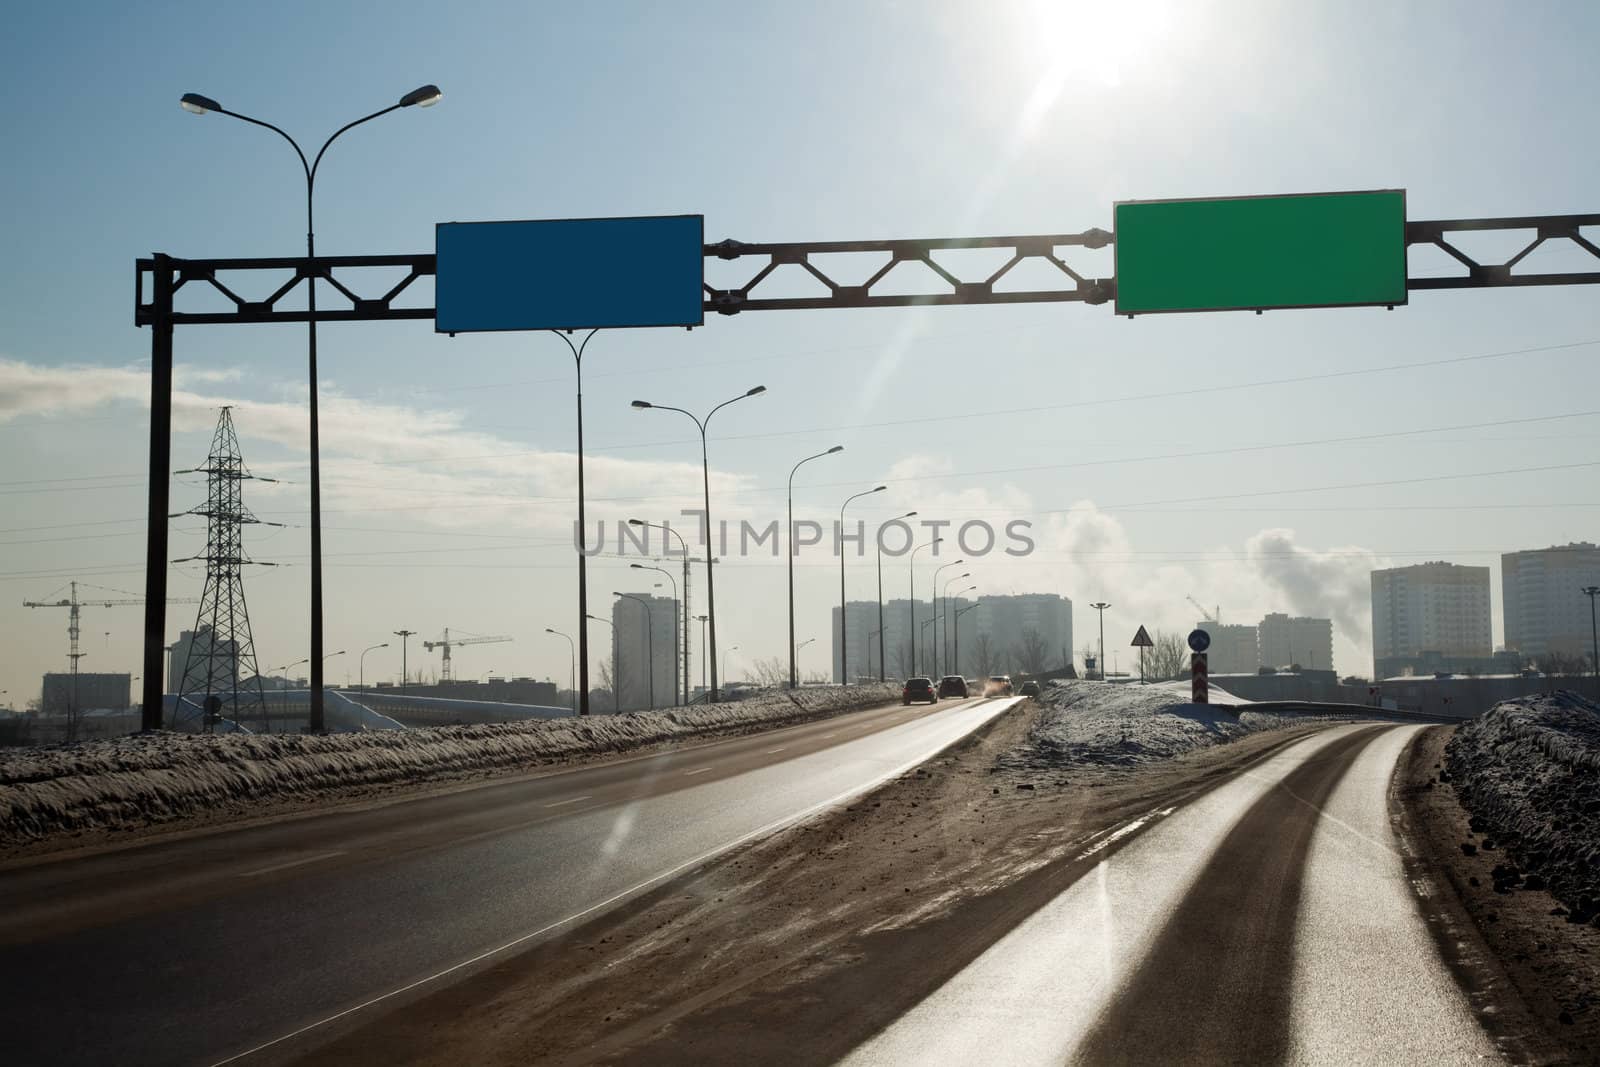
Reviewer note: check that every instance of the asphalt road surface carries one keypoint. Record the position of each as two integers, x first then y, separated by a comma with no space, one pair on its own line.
1268,921
266,939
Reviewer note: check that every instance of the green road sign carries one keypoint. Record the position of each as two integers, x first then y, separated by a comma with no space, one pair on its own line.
1258,252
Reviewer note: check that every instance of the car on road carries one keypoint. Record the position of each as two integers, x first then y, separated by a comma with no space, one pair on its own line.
919,689
952,685
998,685
1029,689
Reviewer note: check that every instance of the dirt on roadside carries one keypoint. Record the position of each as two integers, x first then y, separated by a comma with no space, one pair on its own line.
798,947
1533,974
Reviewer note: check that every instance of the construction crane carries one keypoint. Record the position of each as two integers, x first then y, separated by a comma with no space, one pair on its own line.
74,606
444,644
1208,616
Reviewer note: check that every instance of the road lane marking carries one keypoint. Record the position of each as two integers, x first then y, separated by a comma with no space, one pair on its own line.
859,788
286,864
698,770
574,800
775,751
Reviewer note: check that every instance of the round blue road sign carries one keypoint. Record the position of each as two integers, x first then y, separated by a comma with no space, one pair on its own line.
1199,640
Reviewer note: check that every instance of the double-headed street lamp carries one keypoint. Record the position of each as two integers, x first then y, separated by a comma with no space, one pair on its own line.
705,476
942,648
960,612
911,603
844,647
361,667
681,544
934,654
879,541
423,96
674,581
616,665
954,665
572,675
1101,607
650,643
793,652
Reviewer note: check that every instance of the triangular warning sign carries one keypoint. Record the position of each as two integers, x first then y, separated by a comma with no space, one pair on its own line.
1142,639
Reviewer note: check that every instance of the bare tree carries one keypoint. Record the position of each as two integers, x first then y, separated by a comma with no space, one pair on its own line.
985,656
1168,658
1030,654
771,671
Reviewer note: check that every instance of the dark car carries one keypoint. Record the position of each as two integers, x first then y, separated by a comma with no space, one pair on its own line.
919,689
1029,689
953,685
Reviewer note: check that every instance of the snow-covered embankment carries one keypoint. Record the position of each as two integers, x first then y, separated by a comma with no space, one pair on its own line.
143,780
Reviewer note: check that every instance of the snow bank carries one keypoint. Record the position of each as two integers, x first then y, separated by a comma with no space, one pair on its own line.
1127,725
145,779
1528,771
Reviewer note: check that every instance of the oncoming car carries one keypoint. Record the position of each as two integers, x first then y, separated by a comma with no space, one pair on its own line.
998,685
1029,689
919,689
953,685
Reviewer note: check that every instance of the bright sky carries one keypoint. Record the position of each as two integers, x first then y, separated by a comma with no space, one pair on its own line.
447,463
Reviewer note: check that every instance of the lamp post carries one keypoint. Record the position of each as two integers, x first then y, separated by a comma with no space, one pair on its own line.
577,351
616,665
705,476
674,581
650,644
194,103
879,540
912,601
803,644
283,674
403,635
725,654
792,650
361,667
1101,607
933,653
1592,591
867,651
942,648
703,689
960,612
927,646
844,646
572,672
685,547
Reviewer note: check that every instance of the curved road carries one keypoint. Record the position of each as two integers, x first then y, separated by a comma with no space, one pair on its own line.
1268,921
260,940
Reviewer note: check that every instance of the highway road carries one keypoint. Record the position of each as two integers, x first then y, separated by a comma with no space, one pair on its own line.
265,939
1268,921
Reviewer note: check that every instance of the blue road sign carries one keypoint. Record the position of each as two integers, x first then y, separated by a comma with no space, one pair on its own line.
570,274
1199,640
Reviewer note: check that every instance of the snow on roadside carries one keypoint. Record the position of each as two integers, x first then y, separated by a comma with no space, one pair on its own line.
1528,772
146,779
1126,725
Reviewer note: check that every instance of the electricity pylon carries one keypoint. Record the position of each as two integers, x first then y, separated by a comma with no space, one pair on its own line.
222,646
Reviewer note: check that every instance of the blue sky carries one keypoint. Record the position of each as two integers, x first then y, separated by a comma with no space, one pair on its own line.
820,121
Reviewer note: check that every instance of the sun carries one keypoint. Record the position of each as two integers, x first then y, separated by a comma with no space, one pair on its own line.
1097,43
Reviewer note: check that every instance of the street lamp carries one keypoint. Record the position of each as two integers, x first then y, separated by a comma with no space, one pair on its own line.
793,652
361,667
934,596
960,612
844,646
404,636
1592,591
879,540
685,547
725,653
650,643
1101,607
674,581
283,673
572,676
705,475
616,666
194,103
702,620
922,636
942,648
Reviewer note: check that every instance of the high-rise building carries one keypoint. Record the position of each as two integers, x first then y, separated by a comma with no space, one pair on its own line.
1234,648
1017,634
1430,608
1022,634
1285,641
642,646
62,693
1545,610
862,632
200,643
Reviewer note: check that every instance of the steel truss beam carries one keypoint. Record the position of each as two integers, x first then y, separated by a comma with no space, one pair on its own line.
878,260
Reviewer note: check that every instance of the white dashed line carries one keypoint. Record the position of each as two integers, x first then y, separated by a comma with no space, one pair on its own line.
564,803
285,865
698,770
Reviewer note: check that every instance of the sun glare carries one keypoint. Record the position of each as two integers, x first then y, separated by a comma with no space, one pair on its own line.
1094,42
